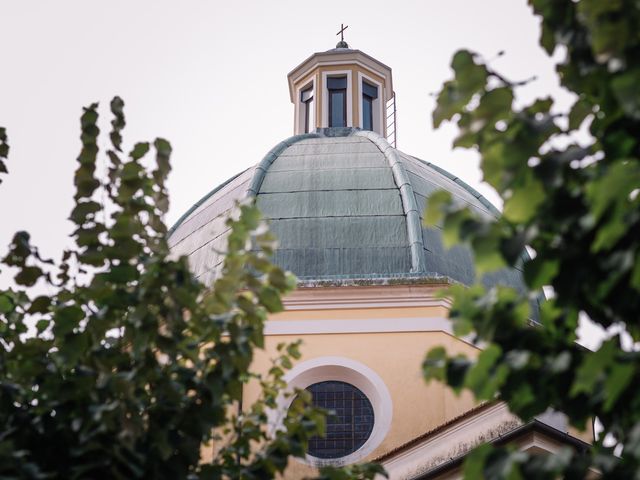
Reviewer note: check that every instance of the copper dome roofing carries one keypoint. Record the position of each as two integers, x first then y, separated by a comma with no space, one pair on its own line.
343,204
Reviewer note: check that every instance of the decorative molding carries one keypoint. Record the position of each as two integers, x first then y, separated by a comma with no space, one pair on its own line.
535,437
378,296
373,325
446,444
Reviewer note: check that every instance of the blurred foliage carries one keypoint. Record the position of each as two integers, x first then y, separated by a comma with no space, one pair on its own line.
570,182
115,362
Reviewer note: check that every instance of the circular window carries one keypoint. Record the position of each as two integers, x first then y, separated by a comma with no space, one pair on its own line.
349,422
358,396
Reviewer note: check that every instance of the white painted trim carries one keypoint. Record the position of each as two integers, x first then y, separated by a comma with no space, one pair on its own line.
328,63
331,304
359,375
378,104
299,120
374,325
325,96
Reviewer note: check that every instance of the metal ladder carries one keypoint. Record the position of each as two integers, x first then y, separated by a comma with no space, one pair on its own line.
392,125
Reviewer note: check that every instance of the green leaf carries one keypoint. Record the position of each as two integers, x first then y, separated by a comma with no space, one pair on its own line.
278,279
6,305
470,76
122,273
592,368
42,325
447,104
524,202
456,372
455,224
250,216
493,164
614,187
618,379
434,364
82,210
4,146
488,257
608,27
540,272
139,150
522,399
610,199
40,304
163,153
433,214
494,105
483,379
626,88
28,276
579,112
131,171
118,122
635,276
67,318
474,462
162,146
270,299
547,40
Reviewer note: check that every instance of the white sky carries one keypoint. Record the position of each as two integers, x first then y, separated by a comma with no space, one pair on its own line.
210,76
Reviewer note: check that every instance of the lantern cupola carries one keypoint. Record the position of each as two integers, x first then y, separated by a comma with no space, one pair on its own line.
341,87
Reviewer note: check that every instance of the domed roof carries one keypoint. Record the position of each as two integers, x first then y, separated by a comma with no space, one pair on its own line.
344,204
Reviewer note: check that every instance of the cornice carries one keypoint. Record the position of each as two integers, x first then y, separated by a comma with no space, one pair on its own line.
333,57
375,296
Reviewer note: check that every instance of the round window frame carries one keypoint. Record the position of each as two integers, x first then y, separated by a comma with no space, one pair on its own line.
342,369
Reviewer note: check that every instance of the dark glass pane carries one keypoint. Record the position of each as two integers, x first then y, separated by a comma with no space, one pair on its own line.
337,108
351,423
367,113
334,83
369,90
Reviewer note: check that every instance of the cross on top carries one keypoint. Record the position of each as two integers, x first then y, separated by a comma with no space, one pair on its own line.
341,32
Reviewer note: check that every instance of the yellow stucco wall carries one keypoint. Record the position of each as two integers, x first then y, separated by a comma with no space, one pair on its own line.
397,359
586,435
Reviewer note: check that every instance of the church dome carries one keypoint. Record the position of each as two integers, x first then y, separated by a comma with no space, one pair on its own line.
344,204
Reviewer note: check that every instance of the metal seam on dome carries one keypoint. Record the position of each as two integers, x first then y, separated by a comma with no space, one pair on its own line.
200,202
486,203
414,225
269,158
524,257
